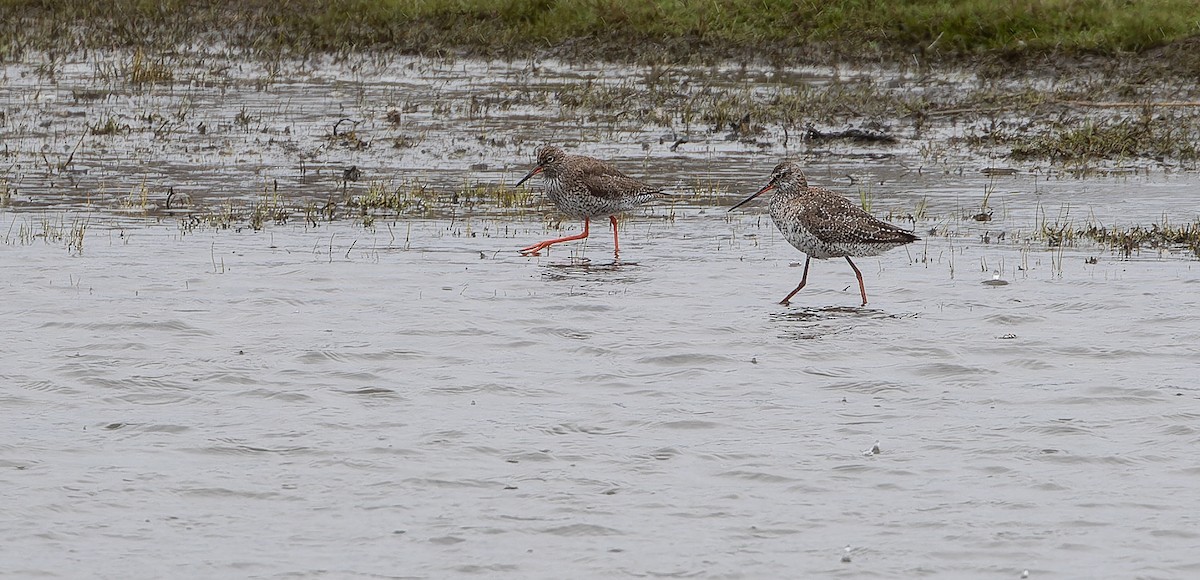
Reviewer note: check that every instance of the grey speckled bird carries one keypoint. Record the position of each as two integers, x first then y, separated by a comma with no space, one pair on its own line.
825,225
585,188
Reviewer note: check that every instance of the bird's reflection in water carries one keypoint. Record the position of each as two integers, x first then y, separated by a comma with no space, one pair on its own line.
812,323
584,269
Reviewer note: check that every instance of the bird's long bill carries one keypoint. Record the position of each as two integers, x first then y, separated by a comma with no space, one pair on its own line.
768,187
535,171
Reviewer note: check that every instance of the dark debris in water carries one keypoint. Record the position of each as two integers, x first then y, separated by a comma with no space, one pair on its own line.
855,135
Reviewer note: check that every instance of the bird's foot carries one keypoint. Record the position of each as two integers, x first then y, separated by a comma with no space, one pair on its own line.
534,250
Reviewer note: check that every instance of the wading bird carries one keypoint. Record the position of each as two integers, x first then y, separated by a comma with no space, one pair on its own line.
585,188
823,224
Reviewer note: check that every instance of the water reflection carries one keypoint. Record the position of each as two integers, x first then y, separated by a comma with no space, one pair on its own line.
818,322
583,269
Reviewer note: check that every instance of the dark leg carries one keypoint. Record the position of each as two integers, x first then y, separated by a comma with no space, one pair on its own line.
861,287
612,219
803,281
534,249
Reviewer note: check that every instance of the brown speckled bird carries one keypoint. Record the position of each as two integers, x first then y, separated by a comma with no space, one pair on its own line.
825,225
585,188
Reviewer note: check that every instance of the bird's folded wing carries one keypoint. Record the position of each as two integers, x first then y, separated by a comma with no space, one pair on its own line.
615,184
837,220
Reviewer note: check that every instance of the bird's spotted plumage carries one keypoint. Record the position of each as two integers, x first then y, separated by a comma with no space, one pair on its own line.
582,187
823,224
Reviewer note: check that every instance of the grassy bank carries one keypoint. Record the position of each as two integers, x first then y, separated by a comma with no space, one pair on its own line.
616,29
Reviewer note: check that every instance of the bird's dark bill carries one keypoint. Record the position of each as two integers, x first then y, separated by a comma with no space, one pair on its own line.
535,171
769,187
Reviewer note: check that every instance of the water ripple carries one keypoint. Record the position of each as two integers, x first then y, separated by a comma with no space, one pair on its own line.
582,530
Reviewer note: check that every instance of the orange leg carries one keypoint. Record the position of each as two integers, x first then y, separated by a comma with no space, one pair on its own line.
538,247
862,288
612,219
803,281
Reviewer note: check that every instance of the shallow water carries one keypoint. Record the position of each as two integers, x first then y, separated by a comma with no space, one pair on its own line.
324,403
418,401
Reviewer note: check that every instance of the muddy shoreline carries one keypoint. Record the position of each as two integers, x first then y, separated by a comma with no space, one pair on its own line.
226,142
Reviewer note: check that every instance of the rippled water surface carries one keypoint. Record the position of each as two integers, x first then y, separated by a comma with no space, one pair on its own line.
416,400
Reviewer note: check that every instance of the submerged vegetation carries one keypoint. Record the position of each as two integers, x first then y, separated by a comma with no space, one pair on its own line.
385,205
379,201
70,230
1130,240
1158,137
1127,241
1116,111
620,29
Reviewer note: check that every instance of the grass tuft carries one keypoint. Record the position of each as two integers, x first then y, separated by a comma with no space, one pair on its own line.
143,70
1130,240
1148,136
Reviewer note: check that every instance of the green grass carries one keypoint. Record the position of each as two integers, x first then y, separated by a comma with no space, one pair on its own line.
894,29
